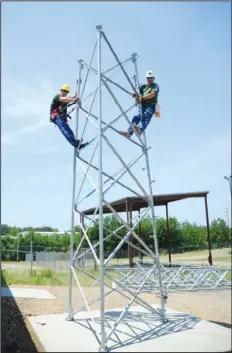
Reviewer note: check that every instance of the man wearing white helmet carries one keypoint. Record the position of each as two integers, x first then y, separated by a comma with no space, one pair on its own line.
59,114
148,99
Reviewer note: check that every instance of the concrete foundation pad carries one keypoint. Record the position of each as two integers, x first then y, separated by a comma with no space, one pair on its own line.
26,293
139,331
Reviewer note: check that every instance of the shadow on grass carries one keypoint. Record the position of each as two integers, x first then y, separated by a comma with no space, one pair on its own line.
15,336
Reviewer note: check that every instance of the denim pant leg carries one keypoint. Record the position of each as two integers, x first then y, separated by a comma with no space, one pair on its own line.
146,117
65,130
135,121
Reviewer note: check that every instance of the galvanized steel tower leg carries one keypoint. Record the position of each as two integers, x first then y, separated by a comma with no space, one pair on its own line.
101,246
150,201
73,204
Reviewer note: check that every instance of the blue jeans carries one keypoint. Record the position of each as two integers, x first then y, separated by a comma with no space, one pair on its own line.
62,123
143,122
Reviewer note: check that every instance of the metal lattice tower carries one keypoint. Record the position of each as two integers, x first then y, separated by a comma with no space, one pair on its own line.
101,170
104,177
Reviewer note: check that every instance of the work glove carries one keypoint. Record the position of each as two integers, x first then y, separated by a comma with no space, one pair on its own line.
137,98
78,101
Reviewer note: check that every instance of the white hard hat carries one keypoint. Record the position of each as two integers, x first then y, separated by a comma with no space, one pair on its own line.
149,73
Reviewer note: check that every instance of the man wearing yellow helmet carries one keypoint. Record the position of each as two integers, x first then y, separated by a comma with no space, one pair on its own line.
148,99
58,115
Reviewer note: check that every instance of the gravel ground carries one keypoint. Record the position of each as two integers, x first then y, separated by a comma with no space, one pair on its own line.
213,306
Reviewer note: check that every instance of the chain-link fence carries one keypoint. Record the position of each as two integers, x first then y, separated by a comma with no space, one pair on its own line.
58,261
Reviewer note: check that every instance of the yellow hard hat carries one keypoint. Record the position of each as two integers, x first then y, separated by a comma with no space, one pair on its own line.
65,88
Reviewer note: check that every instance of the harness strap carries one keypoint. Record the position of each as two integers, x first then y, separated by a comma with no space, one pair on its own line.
59,110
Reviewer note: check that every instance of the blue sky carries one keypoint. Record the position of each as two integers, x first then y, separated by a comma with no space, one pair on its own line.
187,45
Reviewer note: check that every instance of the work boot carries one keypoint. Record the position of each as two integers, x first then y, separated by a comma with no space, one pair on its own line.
136,130
125,133
83,145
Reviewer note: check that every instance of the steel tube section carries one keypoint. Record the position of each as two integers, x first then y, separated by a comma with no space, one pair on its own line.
107,78
100,186
129,305
147,305
117,118
107,125
152,255
118,61
69,317
118,182
90,109
92,191
87,75
89,116
78,248
117,65
122,173
110,127
90,245
151,202
141,302
210,258
92,219
124,164
114,233
107,71
83,181
115,100
120,244
121,109
82,293
168,235
94,300
87,175
117,85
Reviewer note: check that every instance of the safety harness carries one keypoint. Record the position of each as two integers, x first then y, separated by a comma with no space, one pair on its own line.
60,111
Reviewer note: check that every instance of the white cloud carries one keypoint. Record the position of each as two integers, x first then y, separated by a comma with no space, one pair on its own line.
215,152
25,110
46,151
13,138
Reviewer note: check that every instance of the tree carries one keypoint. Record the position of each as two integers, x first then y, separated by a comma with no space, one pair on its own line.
5,229
220,232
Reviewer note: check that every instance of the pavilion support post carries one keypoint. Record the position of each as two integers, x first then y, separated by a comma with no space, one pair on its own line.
82,221
140,235
168,236
131,237
210,258
129,222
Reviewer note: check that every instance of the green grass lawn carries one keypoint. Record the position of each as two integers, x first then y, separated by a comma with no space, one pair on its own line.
48,277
